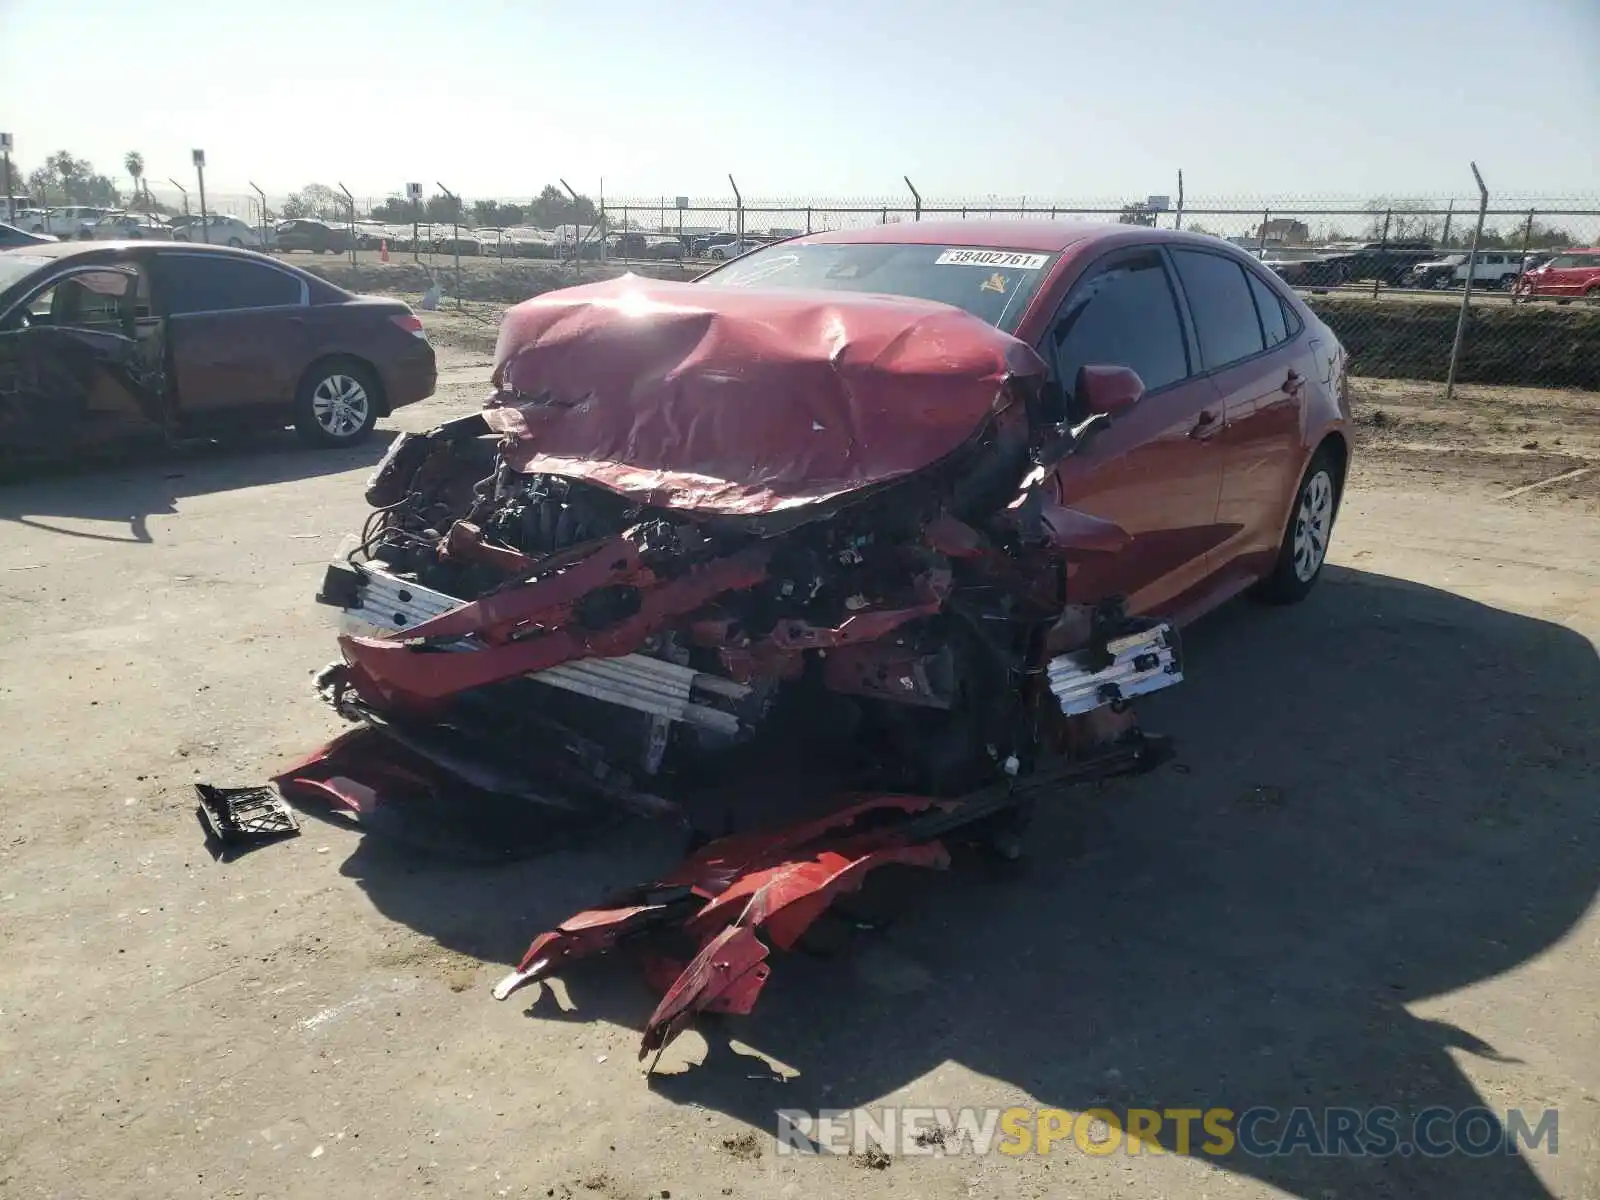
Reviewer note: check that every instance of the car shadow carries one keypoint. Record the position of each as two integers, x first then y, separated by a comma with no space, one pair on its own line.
1382,795
137,481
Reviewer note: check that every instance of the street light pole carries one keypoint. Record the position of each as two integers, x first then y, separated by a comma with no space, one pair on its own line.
200,173
11,200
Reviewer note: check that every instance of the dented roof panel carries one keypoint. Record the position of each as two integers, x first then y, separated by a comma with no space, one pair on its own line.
741,401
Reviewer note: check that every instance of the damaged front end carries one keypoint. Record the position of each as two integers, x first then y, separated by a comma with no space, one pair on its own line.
727,558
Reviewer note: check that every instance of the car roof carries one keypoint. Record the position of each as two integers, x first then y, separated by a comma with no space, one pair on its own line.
75,249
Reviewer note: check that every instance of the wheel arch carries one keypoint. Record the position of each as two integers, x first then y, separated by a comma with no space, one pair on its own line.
1338,448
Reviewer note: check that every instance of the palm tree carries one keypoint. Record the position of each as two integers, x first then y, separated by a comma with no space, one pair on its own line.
133,164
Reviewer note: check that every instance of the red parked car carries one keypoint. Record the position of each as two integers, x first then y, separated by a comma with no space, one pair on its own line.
888,467
104,340
1570,273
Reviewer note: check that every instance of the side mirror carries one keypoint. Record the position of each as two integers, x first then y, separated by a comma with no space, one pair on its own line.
1111,390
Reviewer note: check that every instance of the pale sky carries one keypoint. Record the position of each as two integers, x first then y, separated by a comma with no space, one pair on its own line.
827,98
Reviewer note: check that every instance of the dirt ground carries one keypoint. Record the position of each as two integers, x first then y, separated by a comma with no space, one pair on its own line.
1370,879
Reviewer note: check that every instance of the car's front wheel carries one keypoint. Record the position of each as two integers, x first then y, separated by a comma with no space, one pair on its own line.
1304,548
337,404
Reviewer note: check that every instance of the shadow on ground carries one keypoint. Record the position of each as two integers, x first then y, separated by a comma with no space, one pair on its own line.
138,481
1385,794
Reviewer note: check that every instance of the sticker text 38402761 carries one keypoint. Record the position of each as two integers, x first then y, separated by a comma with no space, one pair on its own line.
991,259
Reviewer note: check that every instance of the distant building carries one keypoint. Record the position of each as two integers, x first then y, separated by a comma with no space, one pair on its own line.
1285,231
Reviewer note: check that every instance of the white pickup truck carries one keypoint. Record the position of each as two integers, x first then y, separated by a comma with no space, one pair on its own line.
70,221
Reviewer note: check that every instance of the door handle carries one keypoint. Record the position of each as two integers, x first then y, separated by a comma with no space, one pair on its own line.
1205,425
1294,382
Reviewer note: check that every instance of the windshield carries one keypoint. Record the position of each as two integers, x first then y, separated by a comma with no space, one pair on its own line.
15,265
993,285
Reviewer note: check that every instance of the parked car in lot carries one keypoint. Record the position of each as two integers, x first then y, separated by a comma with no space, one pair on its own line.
69,221
1493,268
1565,275
100,340
702,246
1437,273
10,236
124,226
221,229
307,233
733,249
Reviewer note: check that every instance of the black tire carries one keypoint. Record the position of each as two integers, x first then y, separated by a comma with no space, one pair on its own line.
324,407
1290,582
236,243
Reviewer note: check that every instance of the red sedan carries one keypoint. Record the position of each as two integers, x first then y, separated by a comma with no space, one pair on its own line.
1227,471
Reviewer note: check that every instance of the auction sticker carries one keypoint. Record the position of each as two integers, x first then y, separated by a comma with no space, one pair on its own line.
991,258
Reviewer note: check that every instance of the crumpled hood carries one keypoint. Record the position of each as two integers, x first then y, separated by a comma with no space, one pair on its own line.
738,401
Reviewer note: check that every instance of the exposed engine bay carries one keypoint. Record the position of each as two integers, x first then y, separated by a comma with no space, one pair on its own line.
659,630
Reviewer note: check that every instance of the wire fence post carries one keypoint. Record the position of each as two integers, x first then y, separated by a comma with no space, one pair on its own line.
738,204
1383,245
1261,242
808,218
916,197
455,234
1449,212
1177,218
1466,296
185,193
1522,263
263,196
351,244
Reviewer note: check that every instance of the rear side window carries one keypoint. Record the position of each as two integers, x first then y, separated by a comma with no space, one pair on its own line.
1219,301
1269,307
1127,316
197,283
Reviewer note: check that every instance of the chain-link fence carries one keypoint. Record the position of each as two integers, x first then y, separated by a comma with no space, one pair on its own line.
1389,275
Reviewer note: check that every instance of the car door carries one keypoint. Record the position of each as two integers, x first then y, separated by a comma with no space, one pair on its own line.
1153,470
236,332
1261,374
70,362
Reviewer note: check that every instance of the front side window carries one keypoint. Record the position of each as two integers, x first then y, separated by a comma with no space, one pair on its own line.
993,285
82,300
197,283
1125,315
1219,301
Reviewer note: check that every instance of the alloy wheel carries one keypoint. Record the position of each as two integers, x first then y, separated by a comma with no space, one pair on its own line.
341,405
1312,525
